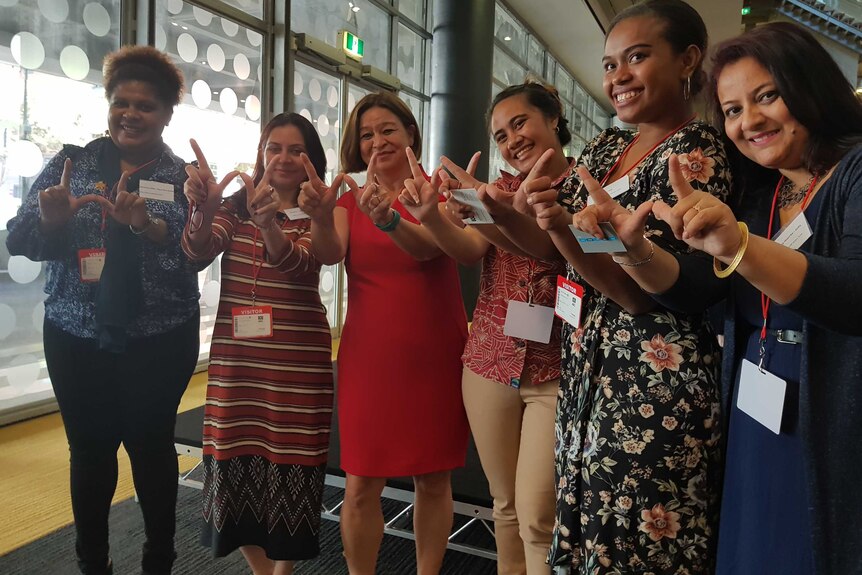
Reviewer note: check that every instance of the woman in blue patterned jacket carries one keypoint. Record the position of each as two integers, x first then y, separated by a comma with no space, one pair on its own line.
121,316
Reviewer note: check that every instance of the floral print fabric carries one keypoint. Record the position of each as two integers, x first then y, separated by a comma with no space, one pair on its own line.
637,432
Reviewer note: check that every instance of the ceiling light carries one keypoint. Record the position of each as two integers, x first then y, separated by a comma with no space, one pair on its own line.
355,8
507,38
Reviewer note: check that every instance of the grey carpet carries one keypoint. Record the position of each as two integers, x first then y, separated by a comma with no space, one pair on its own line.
54,553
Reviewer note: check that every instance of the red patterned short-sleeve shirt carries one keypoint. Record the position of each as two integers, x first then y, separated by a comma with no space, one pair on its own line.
508,277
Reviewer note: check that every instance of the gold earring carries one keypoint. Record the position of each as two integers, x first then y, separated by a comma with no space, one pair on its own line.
686,89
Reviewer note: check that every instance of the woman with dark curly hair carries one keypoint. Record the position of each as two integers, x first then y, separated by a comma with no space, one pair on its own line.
121,316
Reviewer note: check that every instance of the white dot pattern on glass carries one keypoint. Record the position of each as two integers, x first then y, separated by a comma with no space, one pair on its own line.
97,20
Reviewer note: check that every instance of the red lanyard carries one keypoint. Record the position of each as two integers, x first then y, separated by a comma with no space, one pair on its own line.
764,301
114,195
255,269
641,159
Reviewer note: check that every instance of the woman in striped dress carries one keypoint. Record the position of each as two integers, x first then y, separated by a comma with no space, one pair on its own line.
269,399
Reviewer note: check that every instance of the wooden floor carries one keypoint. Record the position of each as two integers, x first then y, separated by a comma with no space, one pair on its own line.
34,474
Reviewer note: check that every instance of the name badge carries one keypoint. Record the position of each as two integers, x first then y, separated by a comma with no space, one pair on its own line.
160,191
469,197
795,233
90,263
761,395
252,322
615,189
592,245
529,321
570,297
295,214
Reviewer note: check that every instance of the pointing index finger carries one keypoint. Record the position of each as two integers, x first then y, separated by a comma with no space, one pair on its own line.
539,167
681,187
67,173
309,170
203,165
594,188
414,165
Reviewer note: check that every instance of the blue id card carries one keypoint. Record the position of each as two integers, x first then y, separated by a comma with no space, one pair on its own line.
591,245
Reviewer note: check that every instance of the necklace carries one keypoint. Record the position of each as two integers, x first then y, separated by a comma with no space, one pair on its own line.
791,194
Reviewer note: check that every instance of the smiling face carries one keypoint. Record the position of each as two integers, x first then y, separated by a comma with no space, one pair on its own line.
137,117
756,119
283,146
643,76
381,132
522,132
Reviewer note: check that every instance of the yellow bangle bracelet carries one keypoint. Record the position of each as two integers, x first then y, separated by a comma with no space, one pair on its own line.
743,245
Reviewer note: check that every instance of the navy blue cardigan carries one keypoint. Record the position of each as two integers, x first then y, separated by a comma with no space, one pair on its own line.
831,371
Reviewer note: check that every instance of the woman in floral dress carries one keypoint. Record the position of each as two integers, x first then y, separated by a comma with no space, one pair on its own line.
637,436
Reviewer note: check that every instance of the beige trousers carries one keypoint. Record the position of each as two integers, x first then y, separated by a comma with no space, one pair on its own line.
514,434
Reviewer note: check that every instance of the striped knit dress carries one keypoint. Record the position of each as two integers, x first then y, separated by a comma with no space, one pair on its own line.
269,401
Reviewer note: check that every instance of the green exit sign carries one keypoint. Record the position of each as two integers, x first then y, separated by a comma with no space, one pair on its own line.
746,10
353,45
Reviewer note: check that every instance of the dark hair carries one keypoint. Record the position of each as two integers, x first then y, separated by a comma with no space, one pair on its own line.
143,64
313,147
351,157
683,28
541,96
810,83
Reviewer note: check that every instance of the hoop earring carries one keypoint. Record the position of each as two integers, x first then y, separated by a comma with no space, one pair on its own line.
686,89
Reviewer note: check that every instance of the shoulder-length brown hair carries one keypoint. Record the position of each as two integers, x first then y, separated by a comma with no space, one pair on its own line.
351,158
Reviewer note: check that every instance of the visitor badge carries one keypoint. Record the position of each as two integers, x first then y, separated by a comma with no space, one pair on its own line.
529,321
295,214
614,189
761,395
252,322
611,243
469,197
795,233
160,191
91,263
570,297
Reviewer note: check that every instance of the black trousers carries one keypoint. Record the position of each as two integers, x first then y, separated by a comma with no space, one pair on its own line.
131,398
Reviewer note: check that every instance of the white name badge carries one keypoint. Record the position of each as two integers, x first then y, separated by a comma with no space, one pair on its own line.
160,191
570,297
529,321
761,395
252,322
795,233
469,197
295,214
91,263
617,188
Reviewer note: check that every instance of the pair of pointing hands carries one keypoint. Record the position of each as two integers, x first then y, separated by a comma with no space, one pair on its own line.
202,190
698,218
57,205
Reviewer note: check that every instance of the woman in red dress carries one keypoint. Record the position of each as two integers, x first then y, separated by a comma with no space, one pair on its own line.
399,363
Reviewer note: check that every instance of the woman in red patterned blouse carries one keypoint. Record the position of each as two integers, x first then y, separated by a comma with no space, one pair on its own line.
511,371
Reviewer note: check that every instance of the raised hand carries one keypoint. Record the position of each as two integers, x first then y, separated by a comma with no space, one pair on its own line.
261,201
419,196
550,215
537,180
129,209
629,225
373,200
700,219
57,205
317,199
201,188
